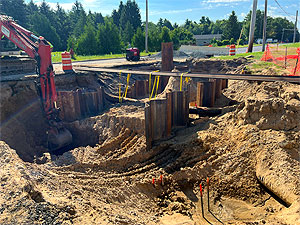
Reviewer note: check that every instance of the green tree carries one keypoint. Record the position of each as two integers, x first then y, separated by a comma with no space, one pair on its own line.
42,26
168,24
258,32
165,35
232,28
116,14
46,11
87,43
130,13
108,37
138,39
128,33
154,41
78,18
276,26
219,26
16,9
63,26
32,8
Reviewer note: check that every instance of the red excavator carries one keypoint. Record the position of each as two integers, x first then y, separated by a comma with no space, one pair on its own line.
133,54
40,49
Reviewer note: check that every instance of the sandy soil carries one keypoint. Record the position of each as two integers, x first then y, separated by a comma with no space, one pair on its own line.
251,155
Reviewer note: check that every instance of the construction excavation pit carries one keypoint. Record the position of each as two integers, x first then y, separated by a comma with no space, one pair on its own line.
180,150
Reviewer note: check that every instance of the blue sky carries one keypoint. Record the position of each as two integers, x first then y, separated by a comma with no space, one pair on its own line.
180,10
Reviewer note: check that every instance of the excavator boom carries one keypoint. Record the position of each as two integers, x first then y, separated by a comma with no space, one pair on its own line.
39,49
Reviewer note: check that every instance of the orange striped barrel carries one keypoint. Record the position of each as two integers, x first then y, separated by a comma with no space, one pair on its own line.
66,61
232,50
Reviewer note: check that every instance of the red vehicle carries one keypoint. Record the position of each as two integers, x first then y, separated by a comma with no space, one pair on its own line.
39,49
133,54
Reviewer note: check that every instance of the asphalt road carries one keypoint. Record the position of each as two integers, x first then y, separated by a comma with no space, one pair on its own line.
102,61
244,49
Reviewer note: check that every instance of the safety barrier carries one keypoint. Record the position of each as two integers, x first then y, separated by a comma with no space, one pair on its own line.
232,50
66,61
286,57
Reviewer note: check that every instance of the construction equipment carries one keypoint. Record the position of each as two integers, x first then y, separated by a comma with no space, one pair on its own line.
40,49
133,54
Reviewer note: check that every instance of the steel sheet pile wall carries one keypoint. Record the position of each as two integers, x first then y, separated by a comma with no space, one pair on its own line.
209,91
139,89
161,115
80,103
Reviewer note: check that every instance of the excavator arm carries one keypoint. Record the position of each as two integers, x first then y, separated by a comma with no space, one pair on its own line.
39,49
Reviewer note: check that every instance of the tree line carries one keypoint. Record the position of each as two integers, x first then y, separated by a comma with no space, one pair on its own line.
90,33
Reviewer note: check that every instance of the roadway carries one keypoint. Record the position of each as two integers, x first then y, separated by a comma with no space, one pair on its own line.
244,49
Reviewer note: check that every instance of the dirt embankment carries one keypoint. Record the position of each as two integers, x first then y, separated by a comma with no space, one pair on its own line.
251,155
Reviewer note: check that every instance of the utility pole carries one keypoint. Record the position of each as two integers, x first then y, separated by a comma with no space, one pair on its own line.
252,26
265,26
295,28
146,32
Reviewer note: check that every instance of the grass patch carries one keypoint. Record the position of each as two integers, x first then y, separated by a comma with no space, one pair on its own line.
292,45
240,46
56,56
257,55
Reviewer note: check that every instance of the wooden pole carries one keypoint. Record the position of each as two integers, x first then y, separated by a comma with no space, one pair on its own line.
285,58
295,28
146,32
252,26
265,26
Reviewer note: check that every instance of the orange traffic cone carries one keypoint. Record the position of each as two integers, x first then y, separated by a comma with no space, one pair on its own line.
267,56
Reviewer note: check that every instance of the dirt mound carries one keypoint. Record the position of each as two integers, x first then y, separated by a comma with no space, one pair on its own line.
214,66
22,199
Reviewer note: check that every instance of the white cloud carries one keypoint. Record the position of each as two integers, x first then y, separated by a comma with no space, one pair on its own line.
174,11
65,6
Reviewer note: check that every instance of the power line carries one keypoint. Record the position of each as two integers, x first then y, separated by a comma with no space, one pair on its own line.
288,14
